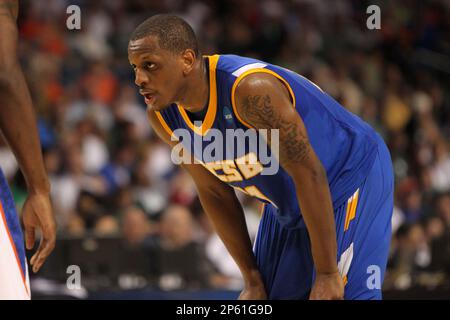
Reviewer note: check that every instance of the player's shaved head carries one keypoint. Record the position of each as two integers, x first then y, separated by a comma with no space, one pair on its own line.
173,33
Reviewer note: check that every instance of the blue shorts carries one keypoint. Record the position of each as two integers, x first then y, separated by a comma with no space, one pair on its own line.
363,228
14,283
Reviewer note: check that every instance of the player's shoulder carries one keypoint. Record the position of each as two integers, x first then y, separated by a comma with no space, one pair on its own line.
259,83
232,64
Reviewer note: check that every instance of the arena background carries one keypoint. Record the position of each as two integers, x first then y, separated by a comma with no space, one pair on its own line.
130,221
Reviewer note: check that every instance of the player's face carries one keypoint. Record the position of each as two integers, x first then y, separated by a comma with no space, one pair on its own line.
158,72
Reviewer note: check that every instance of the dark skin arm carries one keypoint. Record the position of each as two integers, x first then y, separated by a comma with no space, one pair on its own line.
264,102
227,216
18,127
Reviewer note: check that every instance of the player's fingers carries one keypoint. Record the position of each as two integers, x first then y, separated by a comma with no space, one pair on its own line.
48,228
29,237
35,260
36,254
45,248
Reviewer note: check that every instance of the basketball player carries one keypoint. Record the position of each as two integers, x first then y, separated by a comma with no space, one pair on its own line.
325,229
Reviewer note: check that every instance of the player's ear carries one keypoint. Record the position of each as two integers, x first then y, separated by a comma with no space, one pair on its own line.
188,60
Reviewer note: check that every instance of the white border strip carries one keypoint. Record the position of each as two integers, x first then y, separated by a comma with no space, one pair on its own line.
247,67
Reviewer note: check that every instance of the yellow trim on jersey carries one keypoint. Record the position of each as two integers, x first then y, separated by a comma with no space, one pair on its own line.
212,105
242,76
164,123
263,207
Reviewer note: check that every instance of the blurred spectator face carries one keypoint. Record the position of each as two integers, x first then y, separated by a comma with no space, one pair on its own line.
106,225
124,198
135,226
443,206
177,227
396,113
86,126
435,228
441,149
89,209
414,201
416,236
426,179
52,161
159,73
125,155
429,129
182,189
74,160
76,225
140,174
101,83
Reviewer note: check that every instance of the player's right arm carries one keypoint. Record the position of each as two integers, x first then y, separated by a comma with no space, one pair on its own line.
227,216
18,126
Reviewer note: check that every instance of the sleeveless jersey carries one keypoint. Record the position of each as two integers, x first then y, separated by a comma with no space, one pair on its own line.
345,144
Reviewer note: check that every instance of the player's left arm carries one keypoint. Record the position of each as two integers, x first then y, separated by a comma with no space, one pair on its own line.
18,126
264,102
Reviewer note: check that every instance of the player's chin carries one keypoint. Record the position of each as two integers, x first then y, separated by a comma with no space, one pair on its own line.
155,106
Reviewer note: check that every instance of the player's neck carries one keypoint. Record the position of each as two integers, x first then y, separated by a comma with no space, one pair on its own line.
196,93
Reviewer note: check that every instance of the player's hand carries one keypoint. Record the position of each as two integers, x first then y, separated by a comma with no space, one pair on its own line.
328,287
254,288
37,213
253,293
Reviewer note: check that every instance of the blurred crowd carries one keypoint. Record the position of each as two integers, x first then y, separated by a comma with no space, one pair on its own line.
111,176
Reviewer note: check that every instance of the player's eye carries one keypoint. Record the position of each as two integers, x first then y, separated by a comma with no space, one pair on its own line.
149,66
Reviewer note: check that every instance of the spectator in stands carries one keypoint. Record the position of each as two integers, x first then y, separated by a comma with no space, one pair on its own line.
180,260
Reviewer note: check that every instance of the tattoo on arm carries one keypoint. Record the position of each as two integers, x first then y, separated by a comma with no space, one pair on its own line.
262,114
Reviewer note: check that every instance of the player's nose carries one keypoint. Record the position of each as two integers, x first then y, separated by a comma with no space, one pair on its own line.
140,78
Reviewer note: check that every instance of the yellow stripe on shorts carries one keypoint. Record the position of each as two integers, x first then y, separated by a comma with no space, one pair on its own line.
351,209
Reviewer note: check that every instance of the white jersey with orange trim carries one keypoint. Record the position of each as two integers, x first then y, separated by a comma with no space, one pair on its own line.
14,281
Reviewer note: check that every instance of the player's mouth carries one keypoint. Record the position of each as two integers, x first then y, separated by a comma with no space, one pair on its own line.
149,98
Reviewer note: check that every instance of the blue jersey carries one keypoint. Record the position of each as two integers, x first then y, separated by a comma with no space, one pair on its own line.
345,145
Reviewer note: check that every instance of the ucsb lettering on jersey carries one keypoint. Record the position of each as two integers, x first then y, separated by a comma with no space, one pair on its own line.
219,150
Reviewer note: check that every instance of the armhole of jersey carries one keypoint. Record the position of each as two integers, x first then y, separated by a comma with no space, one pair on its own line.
164,123
242,76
